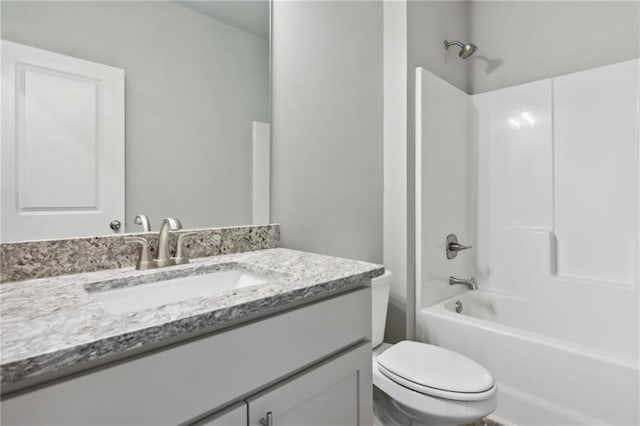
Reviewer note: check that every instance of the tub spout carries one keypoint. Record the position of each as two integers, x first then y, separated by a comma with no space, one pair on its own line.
471,282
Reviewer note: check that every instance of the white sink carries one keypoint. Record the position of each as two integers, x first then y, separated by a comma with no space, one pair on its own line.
138,297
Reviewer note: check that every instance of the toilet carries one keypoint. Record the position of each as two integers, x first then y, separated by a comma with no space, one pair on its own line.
426,383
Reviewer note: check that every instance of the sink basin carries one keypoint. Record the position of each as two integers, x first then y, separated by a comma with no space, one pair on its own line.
117,297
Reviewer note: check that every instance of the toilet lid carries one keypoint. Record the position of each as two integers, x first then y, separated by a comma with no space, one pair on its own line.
436,371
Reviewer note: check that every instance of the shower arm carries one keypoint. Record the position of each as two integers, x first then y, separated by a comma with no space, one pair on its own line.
448,44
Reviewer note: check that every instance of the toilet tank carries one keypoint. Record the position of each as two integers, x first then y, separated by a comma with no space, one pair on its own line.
379,299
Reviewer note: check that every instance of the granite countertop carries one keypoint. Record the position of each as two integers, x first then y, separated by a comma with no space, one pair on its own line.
52,324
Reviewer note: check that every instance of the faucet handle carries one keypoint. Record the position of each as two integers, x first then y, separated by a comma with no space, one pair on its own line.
174,224
145,261
453,247
143,219
181,257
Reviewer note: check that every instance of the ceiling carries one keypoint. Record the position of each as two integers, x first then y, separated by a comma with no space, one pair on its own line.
248,15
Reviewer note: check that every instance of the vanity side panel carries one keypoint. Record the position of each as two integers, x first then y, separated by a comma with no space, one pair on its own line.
186,381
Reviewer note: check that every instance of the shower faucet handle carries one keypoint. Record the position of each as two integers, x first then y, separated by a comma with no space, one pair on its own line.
453,247
458,247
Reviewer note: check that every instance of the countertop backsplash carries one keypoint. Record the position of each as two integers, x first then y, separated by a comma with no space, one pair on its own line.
25,260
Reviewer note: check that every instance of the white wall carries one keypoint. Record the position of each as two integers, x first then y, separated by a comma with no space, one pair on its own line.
327,127
193,87
522,41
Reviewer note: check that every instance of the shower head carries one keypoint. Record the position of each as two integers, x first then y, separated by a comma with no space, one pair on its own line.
466,50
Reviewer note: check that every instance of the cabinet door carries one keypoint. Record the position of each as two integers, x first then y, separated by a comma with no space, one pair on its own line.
236,415
336,392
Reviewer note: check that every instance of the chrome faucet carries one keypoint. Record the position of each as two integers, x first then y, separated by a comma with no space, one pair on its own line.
471,282
146,260
164,257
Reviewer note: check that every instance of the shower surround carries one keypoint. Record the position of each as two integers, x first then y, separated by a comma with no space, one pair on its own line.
551,199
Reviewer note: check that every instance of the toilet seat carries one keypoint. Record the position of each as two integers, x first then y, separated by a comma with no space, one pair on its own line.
428,408
435,371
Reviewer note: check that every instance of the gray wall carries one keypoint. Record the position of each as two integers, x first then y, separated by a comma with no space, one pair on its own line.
527,41
193,86
395,165
327,127
429,23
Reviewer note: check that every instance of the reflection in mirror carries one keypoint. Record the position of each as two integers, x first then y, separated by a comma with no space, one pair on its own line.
119,114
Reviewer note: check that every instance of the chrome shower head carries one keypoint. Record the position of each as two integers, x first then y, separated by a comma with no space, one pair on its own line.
466,50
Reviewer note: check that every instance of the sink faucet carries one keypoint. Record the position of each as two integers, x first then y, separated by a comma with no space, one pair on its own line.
164,257
471,282
146,260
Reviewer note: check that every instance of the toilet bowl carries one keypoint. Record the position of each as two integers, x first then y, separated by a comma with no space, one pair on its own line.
427,383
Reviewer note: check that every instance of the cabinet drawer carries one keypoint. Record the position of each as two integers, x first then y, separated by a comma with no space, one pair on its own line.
174,385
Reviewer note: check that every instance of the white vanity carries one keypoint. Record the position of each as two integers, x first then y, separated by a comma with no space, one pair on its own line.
289,351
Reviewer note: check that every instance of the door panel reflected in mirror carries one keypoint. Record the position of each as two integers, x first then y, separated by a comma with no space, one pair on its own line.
117,109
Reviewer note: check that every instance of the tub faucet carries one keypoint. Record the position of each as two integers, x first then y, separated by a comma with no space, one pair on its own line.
471,282
164,257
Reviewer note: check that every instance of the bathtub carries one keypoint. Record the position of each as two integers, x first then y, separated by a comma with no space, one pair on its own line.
544,377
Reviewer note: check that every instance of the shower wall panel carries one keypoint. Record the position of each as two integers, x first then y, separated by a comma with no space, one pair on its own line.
445,195
595,122
558,200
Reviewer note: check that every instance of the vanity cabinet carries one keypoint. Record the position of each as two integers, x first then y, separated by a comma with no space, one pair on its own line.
307,365
329,394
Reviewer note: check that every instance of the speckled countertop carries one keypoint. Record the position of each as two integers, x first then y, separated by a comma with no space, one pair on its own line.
50,324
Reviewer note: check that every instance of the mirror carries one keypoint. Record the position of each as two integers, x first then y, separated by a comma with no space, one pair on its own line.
116,109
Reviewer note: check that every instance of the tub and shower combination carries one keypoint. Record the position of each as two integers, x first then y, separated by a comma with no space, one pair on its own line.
551,207
545,375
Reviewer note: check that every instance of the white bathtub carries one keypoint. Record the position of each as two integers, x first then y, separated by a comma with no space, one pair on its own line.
544,377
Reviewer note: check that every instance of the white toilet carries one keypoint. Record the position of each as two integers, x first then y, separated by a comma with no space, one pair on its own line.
427,383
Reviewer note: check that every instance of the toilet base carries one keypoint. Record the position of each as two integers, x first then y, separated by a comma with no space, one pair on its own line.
387,413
